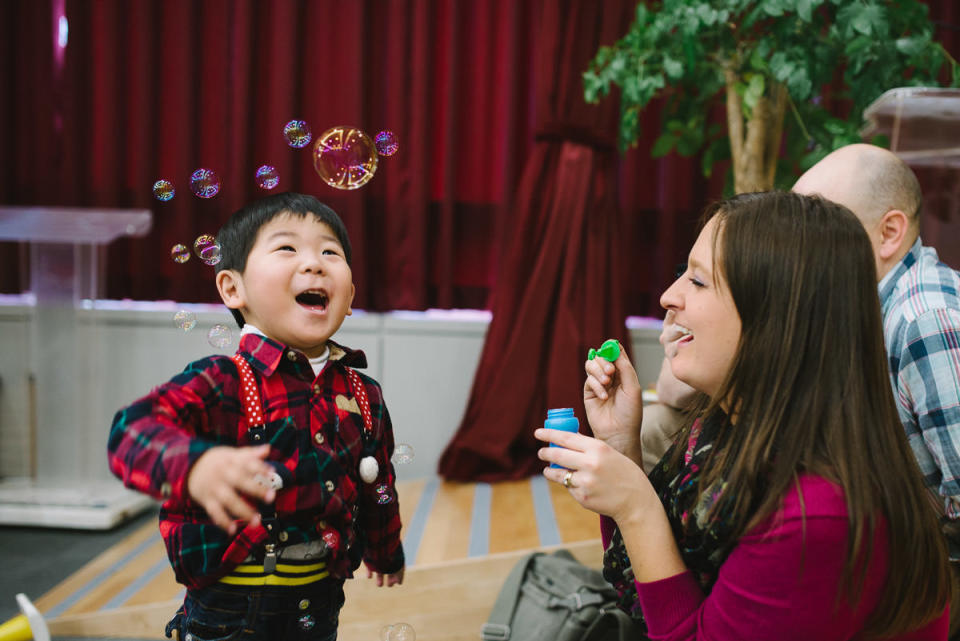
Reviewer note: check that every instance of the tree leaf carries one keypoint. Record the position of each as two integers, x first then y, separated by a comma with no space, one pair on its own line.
805,10
663,146
673,67
869,19
912,45
799,84
772,8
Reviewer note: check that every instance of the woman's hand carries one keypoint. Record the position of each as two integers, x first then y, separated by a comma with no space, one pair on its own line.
606,482
601,479
613,399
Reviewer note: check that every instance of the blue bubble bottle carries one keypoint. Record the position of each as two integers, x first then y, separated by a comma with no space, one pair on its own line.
561,419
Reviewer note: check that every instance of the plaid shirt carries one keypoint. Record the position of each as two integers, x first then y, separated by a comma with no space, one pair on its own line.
921,325
315,430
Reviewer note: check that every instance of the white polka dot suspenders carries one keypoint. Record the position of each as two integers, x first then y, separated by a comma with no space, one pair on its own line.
253,410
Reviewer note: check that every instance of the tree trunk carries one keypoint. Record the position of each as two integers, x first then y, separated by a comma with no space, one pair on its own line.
754,148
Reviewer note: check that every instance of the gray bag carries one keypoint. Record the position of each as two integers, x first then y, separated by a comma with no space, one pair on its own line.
554,597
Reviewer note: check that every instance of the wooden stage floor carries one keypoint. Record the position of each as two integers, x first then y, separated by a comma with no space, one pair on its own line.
461,539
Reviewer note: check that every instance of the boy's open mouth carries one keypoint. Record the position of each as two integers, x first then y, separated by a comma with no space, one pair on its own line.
313,298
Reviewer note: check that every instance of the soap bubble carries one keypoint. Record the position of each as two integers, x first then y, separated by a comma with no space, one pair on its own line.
331,538
179,253
205,183
185,320
401,632
297,133
219,336
402,453
202,242
163,190
387,144
267,177
345,158
384,495
210,254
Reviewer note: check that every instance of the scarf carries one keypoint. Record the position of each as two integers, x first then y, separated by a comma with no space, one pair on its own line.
704,540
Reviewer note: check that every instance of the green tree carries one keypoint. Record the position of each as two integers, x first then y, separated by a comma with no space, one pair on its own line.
778,63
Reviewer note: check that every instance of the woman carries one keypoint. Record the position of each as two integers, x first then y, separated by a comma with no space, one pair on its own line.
792,508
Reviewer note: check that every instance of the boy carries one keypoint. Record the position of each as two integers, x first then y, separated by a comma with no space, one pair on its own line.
274,464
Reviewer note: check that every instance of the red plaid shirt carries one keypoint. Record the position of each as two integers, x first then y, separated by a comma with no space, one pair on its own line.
316,434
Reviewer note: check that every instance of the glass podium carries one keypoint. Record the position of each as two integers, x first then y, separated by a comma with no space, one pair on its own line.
67,483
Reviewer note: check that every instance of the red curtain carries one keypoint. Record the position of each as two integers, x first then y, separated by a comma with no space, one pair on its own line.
562,258
157,88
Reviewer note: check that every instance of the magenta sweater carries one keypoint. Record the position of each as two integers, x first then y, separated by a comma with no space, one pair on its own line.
772,586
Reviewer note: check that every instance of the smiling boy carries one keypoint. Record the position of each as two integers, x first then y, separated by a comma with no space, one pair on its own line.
274,465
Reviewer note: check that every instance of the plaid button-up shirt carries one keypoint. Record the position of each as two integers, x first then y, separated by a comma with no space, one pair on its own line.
316,434
920,298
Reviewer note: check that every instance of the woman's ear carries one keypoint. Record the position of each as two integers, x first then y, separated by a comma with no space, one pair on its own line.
230,286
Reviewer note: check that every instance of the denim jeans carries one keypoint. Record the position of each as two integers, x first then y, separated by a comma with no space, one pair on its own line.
222,612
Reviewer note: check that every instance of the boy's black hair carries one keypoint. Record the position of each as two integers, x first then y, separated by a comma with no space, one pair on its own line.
239,233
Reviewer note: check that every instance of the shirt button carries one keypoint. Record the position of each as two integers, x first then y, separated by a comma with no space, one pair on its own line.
329,485
316,389
318,438
304,604
291,355
283,536
166,490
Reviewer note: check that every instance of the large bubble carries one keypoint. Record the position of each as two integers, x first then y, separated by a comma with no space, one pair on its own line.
345,157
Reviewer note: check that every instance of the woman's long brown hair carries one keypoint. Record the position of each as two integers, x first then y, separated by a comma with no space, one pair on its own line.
809,390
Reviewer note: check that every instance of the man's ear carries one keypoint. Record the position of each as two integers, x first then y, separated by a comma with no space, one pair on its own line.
892,230
230,286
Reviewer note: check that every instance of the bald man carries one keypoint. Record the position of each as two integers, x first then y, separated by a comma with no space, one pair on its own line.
920,301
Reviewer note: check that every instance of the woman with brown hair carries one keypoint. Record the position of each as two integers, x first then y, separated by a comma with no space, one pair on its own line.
792,507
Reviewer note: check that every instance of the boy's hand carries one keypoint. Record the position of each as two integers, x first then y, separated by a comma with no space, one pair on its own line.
391,579
222,480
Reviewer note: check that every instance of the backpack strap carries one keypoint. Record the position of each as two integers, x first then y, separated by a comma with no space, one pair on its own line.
613,618
498,627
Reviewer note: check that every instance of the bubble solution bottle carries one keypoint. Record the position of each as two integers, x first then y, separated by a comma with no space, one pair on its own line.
561,419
